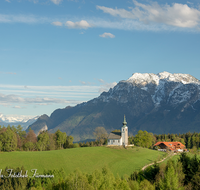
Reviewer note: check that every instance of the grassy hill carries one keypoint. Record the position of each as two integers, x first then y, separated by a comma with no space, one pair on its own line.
119,161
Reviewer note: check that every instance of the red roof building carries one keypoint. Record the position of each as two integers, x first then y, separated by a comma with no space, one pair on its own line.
172,146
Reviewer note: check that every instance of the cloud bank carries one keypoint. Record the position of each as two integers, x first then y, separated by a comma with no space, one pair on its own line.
149,17
179,15
9,99
48,95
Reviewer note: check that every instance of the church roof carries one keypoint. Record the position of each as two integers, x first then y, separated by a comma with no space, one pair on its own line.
114,135
124,123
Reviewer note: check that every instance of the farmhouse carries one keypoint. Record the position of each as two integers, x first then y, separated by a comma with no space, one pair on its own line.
119,138
172,146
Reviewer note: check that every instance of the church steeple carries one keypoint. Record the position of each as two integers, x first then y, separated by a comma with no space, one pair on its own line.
124,123
124,133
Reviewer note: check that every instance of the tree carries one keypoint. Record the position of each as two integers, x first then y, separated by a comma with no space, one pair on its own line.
101,134
144,139
189,143
52,142
20,132
30,140
60,138
69,142
171,180
31,136
43,141
196,180
117,130
146,185
0,145
8,139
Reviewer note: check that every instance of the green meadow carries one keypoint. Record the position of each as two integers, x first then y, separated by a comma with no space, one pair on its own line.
119,161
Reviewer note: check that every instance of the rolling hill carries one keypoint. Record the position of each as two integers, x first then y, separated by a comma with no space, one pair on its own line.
119,161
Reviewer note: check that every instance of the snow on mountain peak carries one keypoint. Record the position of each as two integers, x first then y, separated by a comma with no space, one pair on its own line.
139,78
16,118
143,79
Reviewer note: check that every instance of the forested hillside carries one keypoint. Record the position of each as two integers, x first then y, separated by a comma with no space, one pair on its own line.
162,103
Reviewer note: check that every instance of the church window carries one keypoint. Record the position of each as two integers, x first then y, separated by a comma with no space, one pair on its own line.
118,141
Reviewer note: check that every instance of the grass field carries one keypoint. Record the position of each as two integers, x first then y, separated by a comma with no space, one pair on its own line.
119,161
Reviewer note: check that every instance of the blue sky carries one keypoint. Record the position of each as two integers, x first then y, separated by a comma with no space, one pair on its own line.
55,53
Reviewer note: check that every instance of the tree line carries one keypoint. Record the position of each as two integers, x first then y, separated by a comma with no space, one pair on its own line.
12,139
147,140
190,140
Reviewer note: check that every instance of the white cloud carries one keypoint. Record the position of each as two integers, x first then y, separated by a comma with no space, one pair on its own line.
116,12
82,24
130,24
57,2
63,93
17,107
7,1
83,82
86,83
5,99
107,35
19,95
178,15
106,86
29,19
101,80
57,23
8,73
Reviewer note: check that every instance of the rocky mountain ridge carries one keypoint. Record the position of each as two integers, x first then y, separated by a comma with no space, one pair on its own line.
158,103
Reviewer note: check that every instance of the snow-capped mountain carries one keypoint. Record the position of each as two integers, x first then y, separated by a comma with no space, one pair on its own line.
158,103
16,120
162,87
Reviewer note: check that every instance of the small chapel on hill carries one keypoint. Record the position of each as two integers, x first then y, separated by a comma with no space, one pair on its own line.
119,138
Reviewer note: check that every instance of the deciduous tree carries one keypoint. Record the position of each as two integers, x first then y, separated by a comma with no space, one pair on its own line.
101,134
60,138
144,139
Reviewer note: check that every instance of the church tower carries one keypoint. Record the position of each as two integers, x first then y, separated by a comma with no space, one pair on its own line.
124,132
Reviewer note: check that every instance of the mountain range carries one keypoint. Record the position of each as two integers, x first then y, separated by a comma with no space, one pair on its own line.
24,121
158,103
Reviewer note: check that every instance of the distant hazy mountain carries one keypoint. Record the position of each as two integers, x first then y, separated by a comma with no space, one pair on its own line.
24,121
158,103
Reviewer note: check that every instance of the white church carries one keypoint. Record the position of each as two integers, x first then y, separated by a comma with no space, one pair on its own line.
119,138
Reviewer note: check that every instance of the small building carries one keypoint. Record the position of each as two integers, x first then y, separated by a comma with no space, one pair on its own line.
119,138
172,146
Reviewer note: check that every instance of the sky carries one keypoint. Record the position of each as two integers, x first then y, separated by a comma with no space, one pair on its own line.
59,53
